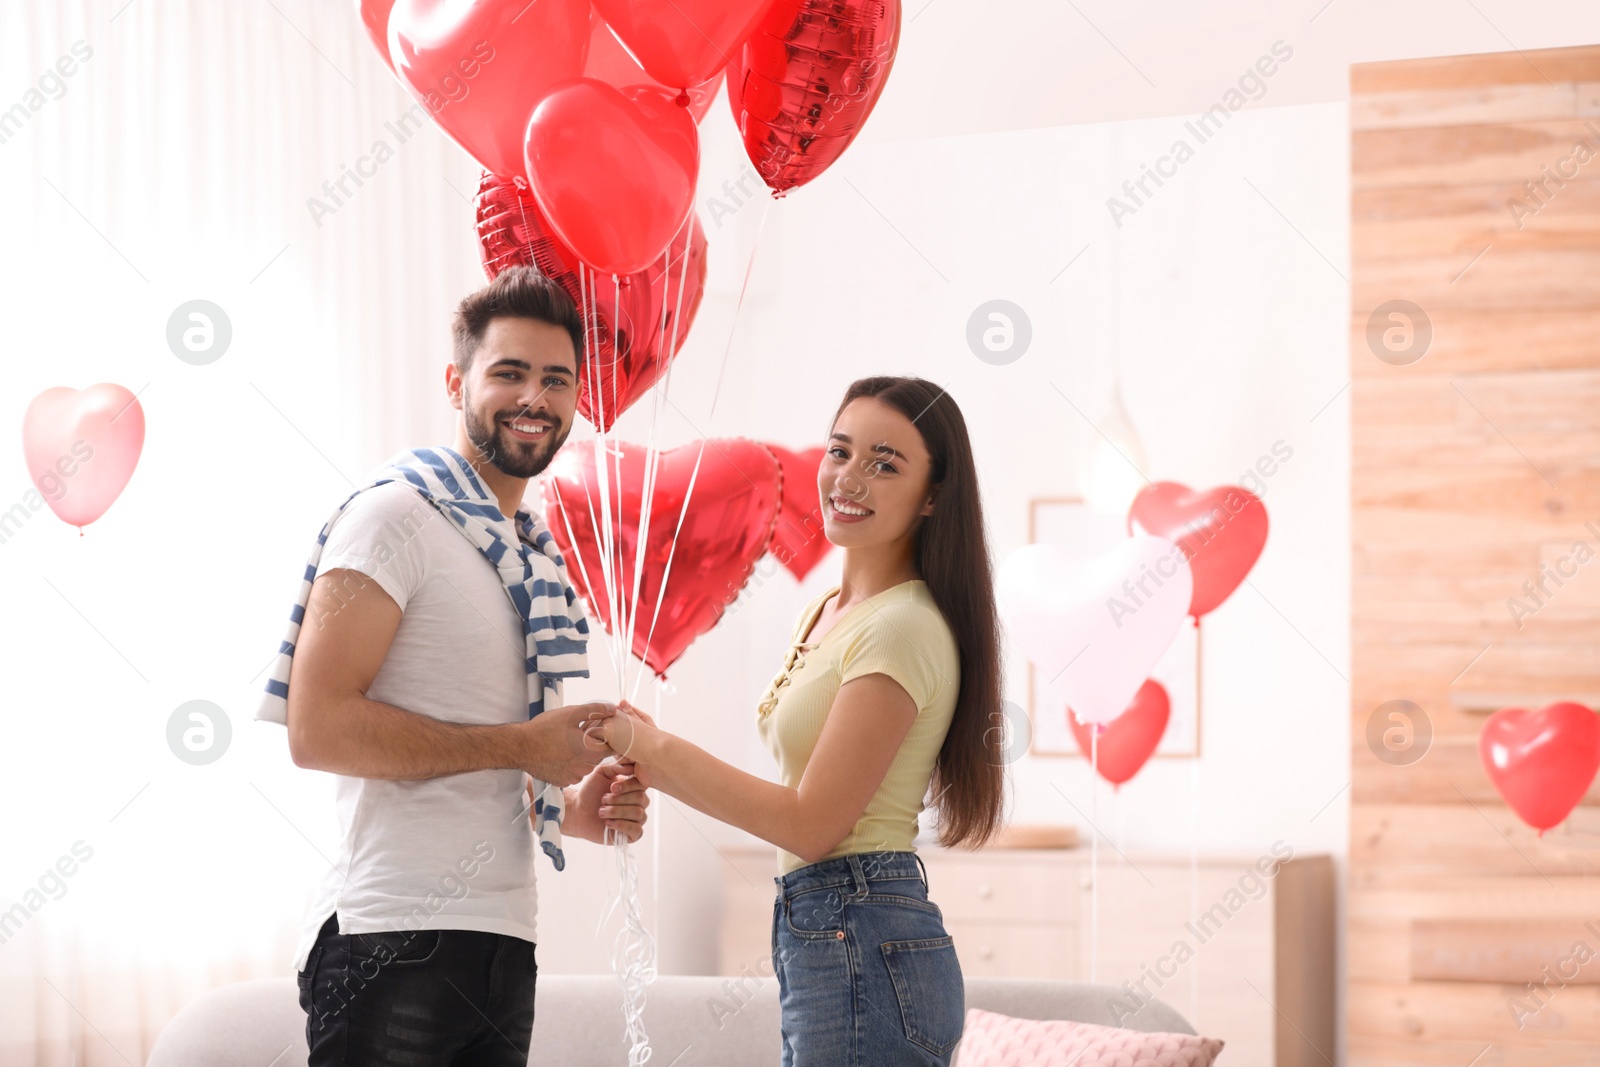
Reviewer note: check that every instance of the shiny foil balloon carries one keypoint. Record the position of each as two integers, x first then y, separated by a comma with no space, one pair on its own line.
725,529
799,542
682,42
804,83
636,325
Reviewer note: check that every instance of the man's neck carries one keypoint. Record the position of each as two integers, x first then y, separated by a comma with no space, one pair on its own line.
506,490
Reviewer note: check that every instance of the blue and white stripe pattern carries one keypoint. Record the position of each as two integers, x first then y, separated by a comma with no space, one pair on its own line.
535,578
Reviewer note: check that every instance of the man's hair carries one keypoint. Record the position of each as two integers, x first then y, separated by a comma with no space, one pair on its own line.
519,292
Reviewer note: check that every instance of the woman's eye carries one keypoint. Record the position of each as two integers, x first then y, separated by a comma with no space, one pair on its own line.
836,450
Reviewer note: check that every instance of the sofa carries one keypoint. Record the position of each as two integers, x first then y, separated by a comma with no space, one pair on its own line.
692,1021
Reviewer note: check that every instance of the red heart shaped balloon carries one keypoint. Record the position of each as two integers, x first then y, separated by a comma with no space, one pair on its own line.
721,533
481,67
652,309
1128,741
1542,762
799,542
81,447
806,80
682,42
614,174
1221,532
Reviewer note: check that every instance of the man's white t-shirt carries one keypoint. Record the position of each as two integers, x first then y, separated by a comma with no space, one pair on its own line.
450,853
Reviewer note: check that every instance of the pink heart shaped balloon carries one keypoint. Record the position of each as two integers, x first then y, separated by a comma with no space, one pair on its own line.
1095,628
81,447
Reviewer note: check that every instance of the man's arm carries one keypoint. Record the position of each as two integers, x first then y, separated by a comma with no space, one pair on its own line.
349,624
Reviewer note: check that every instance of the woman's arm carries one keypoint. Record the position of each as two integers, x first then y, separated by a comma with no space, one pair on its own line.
870,717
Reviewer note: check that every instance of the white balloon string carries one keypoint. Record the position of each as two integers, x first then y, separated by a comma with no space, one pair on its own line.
748,268
672,554
633,950
1094,852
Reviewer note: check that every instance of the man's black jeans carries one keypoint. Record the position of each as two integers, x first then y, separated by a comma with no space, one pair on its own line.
441,998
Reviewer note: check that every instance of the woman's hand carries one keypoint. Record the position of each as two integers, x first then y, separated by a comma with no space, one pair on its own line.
634,737
612,797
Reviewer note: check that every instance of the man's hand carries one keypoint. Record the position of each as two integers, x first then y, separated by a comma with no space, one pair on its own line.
611,798
561,745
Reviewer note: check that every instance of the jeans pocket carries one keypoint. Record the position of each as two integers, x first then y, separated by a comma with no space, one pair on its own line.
394,946
815,913
928,987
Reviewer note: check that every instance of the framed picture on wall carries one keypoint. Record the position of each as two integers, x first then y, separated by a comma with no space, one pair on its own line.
1068,523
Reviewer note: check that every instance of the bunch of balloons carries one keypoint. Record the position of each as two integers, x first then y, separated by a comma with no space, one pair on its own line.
1096,628
585,118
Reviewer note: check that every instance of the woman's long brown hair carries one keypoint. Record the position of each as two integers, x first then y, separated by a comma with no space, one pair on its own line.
952,556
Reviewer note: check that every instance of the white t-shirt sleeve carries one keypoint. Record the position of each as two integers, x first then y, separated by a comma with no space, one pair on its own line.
376,534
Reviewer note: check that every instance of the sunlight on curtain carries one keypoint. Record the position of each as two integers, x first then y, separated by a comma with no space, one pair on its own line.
152,154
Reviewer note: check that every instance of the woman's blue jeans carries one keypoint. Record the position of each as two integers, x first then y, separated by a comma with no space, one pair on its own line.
867,974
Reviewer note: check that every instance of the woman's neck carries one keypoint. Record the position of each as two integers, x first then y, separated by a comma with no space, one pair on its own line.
869,571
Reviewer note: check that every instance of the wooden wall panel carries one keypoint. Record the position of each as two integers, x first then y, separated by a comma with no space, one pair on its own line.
1474,468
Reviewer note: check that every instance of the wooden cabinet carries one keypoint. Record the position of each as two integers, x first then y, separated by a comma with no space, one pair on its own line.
1246,956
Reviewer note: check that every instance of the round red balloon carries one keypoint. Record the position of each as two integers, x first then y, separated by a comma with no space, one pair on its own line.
1128,741
805,82
724,529
613,173
481,68
636,324
1542,762
1220,531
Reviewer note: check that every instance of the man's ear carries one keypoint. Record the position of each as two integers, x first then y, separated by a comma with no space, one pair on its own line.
452,384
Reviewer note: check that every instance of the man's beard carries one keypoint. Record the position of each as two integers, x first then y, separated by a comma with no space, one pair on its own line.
518,459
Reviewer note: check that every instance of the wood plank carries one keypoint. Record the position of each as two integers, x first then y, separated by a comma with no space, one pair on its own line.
1469,155
1416,1013
1476,70
1464,838
1468,340
1469,105
1537,213
1510,279
1549,954
1448,773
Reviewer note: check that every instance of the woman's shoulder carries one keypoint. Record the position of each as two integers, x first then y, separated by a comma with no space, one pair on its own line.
911,609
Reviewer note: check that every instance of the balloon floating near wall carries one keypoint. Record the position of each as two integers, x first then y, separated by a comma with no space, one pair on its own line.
799,542
1542,762
1128,741
81,447
1095,628
1221,531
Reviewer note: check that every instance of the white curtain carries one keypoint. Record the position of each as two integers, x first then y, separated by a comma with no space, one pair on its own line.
175,162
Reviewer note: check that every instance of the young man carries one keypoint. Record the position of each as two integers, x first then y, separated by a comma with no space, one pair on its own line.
428,649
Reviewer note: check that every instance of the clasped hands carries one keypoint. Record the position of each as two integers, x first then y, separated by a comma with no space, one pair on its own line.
594,751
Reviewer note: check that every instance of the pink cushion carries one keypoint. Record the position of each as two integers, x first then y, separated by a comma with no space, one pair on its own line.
993,1040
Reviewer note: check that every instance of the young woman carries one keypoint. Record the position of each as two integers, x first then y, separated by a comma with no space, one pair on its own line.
890,690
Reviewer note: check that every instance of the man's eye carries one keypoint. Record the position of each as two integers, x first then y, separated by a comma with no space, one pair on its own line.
555,381
508,374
